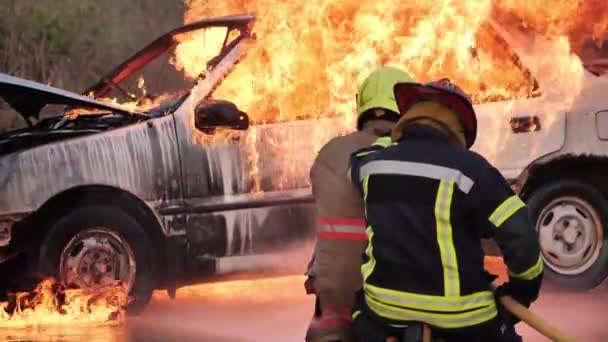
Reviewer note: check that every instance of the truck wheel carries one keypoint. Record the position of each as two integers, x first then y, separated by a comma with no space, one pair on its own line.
93,246
570,217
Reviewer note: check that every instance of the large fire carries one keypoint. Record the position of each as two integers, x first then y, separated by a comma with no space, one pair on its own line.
310,57
50,304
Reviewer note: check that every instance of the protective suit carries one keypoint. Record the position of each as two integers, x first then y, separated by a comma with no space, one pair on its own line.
429,201
334,272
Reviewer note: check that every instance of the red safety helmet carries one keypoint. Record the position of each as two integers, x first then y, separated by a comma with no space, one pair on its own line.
444,92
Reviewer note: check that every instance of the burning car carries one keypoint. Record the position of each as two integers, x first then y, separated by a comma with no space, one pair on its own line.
144,194
165,188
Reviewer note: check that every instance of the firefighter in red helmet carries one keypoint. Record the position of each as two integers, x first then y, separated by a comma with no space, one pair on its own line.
429,201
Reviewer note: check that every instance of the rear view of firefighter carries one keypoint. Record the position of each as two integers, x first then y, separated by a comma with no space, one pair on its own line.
429,200
334,272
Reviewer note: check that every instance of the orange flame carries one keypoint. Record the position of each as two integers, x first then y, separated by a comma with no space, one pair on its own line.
311,56
581,21
51,305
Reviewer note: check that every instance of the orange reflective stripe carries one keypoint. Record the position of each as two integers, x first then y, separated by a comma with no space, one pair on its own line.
342,236
341,229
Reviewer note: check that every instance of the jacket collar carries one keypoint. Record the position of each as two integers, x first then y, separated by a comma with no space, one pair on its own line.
424,132
378,127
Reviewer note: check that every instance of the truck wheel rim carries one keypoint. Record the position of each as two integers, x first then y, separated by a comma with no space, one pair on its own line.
571,235
97,258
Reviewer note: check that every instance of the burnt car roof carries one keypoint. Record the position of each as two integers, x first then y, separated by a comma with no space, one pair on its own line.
29,97
160,46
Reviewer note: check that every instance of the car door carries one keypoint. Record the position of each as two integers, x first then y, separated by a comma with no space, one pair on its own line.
236,200
512,135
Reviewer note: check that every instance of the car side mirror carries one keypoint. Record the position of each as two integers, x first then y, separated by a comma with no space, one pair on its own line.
209,115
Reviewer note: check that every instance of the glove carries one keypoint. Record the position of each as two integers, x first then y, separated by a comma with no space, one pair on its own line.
524,291
504,315
490,277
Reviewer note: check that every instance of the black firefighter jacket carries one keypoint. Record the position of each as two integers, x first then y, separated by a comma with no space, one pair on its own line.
428,203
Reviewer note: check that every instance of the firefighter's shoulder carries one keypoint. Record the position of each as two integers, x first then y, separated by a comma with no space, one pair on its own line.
334,144
379,144
483,171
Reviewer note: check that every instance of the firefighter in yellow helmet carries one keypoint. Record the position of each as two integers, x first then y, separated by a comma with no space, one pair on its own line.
334,271
429,201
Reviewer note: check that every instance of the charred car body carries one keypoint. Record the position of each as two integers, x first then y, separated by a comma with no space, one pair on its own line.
102,193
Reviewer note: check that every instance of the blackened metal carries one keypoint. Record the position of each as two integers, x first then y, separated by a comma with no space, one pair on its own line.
207,235
28,97
208,207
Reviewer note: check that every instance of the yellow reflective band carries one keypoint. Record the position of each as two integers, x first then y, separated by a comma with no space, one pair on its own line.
356,314
364,153
505,210
451,278
365,184
428,302
368,267
383,142
531,272
441,320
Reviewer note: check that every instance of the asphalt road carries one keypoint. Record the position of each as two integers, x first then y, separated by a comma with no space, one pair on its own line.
277,309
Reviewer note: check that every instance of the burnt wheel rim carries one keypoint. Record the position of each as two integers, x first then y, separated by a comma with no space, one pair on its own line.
571,235
97,258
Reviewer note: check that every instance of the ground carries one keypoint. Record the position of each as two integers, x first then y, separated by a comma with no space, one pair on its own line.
277,309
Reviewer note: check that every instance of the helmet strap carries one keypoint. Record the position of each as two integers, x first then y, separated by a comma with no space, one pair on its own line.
377,114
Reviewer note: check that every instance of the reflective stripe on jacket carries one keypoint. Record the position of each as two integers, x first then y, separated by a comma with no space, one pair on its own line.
428,204
341,229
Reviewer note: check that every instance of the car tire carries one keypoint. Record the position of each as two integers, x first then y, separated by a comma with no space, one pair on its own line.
100,235
571,219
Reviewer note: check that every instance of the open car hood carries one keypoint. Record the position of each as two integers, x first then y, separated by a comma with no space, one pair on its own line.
162,44
28,97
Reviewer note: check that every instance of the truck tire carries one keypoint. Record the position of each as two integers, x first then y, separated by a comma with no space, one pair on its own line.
571,218
92,246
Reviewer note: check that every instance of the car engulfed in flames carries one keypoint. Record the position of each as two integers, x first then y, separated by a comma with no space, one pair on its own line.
190,159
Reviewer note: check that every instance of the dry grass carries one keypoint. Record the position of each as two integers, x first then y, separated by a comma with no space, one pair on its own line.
71,43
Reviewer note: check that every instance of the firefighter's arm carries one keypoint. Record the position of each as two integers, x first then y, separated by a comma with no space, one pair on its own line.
504,217
519,245
353,168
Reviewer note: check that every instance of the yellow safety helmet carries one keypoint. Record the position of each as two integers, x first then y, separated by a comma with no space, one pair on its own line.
376,92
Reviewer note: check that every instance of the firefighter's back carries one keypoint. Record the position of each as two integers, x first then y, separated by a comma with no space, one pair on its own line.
334,194
340,211
420,227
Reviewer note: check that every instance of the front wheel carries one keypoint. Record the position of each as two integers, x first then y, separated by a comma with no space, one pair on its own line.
94,246
570,218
